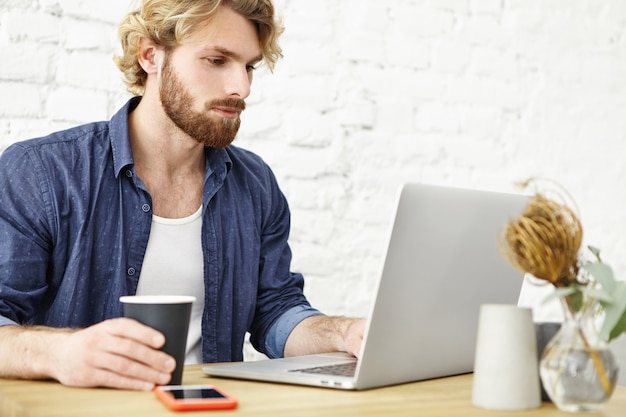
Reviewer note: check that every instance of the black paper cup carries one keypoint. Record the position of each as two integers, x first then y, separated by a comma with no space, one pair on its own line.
169,314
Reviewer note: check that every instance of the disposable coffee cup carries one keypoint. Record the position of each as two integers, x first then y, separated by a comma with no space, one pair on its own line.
170,315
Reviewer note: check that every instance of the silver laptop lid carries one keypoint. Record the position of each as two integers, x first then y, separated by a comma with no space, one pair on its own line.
442,263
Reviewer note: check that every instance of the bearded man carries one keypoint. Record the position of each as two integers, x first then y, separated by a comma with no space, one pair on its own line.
156,201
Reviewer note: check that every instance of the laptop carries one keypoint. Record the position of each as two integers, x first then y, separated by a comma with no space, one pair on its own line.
442,263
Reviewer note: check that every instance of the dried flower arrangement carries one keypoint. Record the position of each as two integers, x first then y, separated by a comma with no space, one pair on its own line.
544,241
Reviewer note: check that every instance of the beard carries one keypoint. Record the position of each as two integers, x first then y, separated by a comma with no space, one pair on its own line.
177,103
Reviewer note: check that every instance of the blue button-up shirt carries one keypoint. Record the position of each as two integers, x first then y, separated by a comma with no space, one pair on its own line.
74,226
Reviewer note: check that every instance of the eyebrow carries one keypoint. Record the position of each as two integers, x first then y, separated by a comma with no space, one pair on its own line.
234,55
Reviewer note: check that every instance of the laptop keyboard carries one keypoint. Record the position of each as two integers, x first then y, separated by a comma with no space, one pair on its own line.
341,369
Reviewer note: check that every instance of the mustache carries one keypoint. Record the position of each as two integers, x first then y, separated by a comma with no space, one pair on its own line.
235,103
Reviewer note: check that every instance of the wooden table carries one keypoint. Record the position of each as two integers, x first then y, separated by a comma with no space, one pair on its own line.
447,397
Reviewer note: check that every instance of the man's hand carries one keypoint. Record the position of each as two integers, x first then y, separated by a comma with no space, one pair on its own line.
117,353
320,334
354,336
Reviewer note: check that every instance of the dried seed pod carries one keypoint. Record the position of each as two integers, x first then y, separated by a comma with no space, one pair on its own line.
544,241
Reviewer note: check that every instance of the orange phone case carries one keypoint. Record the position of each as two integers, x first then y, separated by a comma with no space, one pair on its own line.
193,404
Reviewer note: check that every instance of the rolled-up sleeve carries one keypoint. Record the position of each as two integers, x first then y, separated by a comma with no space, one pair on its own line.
4,321
281,329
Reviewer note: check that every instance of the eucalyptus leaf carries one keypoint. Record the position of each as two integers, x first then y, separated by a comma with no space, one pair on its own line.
619,328
603,275
576,301
595,251
599,294
560,292
614,313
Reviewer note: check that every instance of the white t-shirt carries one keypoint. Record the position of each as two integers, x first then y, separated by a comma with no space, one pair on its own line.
173,265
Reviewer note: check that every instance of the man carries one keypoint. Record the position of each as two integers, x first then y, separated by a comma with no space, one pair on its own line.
155,201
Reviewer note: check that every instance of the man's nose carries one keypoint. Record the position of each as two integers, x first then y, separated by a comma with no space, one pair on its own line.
238,82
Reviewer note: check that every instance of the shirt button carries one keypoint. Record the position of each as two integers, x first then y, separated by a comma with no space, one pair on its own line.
129,173
145,208
131,271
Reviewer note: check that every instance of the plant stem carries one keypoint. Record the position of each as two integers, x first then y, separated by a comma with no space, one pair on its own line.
598,363
606,385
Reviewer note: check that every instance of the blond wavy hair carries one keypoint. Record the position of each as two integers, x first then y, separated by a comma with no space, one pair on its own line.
169,22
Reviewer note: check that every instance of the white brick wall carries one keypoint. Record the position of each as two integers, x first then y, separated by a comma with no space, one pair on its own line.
477,93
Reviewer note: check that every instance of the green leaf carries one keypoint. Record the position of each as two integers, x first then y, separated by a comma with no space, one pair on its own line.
598,294
619,328
603,275
576,300
614,320
560,292
595,251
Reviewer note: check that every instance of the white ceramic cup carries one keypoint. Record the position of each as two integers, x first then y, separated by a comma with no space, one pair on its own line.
506,375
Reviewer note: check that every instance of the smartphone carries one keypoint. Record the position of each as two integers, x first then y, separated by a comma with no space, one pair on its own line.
194,397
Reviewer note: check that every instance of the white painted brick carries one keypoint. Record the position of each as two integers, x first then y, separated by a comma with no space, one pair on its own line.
320,10
395,113
31,26
5,139
26,62
303,18
326,194
356,112
316,92
87,69
525,16
483,30
310,163
481,122
493,7
109,11
613,8
438,118
405,82
20,100
90,35
488,91
311,262
74,105
458,7
307,128
17,4
370,15
311,57
299,28
451,56
495,63
408,51
412,19
363,45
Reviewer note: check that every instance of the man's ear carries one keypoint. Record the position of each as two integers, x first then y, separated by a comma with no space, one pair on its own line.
149,55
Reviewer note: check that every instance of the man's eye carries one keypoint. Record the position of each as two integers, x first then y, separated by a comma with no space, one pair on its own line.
250,68
216,61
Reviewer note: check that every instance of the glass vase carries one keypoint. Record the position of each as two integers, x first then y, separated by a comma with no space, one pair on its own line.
577,368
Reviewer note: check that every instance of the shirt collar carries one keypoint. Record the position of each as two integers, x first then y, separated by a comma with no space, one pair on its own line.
120,138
